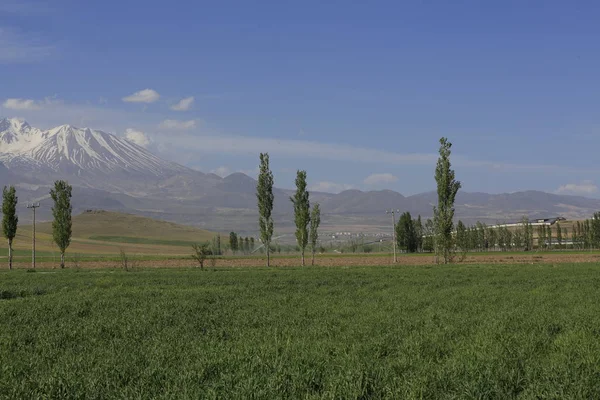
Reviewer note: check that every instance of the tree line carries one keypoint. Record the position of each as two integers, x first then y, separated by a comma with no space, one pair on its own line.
62,209
237,243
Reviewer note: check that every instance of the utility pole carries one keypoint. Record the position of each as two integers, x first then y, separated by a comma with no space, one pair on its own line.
393,212
33,206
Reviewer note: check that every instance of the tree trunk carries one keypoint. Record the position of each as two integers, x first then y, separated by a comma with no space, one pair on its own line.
62,259
302,257
313,256
9,254
268,255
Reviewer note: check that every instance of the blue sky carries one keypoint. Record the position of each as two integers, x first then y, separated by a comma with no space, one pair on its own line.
356,94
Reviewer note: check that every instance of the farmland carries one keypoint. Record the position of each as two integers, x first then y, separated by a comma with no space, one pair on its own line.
102,234
462,331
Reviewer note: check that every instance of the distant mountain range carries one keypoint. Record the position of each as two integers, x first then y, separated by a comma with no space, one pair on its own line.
112,173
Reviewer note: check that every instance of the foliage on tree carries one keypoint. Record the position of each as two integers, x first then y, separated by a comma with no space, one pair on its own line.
265,197
62,225
216,245
462,237
527,234
447,188
315,221
428,236
10,219
233,242
301,203
406,235
250,244
201,251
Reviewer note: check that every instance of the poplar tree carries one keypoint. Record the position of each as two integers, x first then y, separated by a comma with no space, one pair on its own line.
9,218
315,221
265,197
62,224
443,213
301,203
462,239
233,242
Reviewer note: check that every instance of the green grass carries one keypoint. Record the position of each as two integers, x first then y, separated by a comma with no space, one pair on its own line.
141,240
528,331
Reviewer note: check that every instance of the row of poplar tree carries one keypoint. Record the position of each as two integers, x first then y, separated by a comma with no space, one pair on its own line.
241,244
307,220
435,235
61,211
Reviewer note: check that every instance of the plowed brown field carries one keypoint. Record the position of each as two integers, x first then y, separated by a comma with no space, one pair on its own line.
337,261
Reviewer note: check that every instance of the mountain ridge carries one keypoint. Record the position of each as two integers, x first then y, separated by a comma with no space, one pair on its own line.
108,171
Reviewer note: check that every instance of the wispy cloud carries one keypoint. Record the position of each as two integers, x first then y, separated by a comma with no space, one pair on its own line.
177,125
21,104
330,187
192,139
29,104
183,104
378,179
583,188
18,47
142,96
296,148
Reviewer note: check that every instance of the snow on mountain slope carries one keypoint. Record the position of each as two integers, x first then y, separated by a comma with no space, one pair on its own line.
68,149
17,136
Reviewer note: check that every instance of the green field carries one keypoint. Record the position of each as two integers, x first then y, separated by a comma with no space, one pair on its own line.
502,331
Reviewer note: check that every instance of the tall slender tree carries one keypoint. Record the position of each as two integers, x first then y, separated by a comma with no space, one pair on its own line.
443,213
301,202
233,242
559,235
315,221
264,194
62,225
462,239
9,218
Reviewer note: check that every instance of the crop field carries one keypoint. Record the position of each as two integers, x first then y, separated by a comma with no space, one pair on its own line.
462,331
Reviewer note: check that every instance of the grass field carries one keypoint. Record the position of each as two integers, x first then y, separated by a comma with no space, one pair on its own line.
101,234
470,331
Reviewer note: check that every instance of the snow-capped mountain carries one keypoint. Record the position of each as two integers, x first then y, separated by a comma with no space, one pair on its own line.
77,151
17,136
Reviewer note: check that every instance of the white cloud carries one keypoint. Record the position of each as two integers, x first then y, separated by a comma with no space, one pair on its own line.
330,187
143,96
183,104
221,171
29,104
21,104
378,179
137,137
177,125
585,187
17,47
